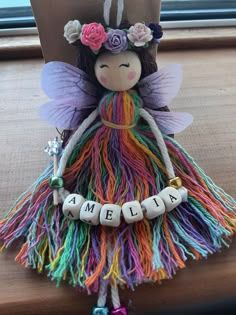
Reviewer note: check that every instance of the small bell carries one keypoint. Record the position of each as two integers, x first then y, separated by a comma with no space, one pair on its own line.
100,311
56,182
120,311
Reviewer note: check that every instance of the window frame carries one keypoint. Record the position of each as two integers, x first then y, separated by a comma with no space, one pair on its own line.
174,14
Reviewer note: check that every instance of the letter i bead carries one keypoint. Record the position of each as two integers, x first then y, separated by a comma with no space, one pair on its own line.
154,206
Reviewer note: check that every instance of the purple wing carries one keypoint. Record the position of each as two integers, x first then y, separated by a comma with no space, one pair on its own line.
61,80
158,89
72,92
171,122
64,113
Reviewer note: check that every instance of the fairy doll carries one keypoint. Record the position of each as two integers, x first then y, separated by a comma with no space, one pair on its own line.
123,203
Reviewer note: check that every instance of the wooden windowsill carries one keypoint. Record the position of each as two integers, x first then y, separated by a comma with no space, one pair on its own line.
28,46
14,47
199,38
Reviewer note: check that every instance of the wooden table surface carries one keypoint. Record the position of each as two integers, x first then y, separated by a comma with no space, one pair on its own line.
209,93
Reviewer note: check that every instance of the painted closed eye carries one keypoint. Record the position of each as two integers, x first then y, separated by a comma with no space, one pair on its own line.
127,65
103,66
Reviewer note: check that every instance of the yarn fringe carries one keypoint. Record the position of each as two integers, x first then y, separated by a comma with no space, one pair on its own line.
145,251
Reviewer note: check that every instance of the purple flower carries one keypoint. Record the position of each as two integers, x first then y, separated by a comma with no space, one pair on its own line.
156,31
116,41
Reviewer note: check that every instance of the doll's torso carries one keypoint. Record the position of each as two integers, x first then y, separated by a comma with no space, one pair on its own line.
120,110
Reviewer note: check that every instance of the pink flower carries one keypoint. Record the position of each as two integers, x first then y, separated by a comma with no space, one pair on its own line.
93,35
140,34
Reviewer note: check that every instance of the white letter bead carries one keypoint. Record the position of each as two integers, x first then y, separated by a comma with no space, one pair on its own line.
71,206
132,212
184,193
90,211
110,215
154,206
171,197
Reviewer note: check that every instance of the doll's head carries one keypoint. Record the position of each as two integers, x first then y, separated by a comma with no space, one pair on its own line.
140,57
118,72
132,42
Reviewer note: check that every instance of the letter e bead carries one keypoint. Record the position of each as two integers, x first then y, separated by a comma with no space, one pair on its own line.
110,215
154,206
90,211
132,212
171,198
71,206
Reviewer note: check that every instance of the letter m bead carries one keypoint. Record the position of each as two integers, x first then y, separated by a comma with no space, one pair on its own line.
90,212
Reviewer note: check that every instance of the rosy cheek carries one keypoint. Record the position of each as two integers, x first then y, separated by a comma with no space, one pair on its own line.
103,80
131,75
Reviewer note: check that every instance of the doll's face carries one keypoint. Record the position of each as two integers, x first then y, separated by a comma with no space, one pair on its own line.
118,72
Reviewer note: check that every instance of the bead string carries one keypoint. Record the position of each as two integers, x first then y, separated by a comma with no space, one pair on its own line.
182,193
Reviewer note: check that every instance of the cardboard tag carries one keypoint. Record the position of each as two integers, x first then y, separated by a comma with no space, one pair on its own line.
52,15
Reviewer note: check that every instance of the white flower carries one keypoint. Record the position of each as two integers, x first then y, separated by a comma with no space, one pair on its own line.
54,147
72,31
140,34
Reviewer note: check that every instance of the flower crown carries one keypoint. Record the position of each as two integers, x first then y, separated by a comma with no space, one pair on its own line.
95,36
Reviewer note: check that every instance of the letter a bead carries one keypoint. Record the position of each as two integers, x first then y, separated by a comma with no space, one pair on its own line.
90,211
71,206
110,215
154,206
132,212
171,197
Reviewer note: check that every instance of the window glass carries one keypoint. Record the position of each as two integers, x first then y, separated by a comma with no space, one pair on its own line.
176,10
15,14
18,14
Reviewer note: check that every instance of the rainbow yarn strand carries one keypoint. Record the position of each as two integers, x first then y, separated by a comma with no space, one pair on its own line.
115,161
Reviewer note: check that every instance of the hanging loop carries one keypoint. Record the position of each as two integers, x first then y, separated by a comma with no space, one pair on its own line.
107,11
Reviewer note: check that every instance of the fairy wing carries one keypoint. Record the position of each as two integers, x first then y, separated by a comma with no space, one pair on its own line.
158,89
171,122
72,92
65,113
